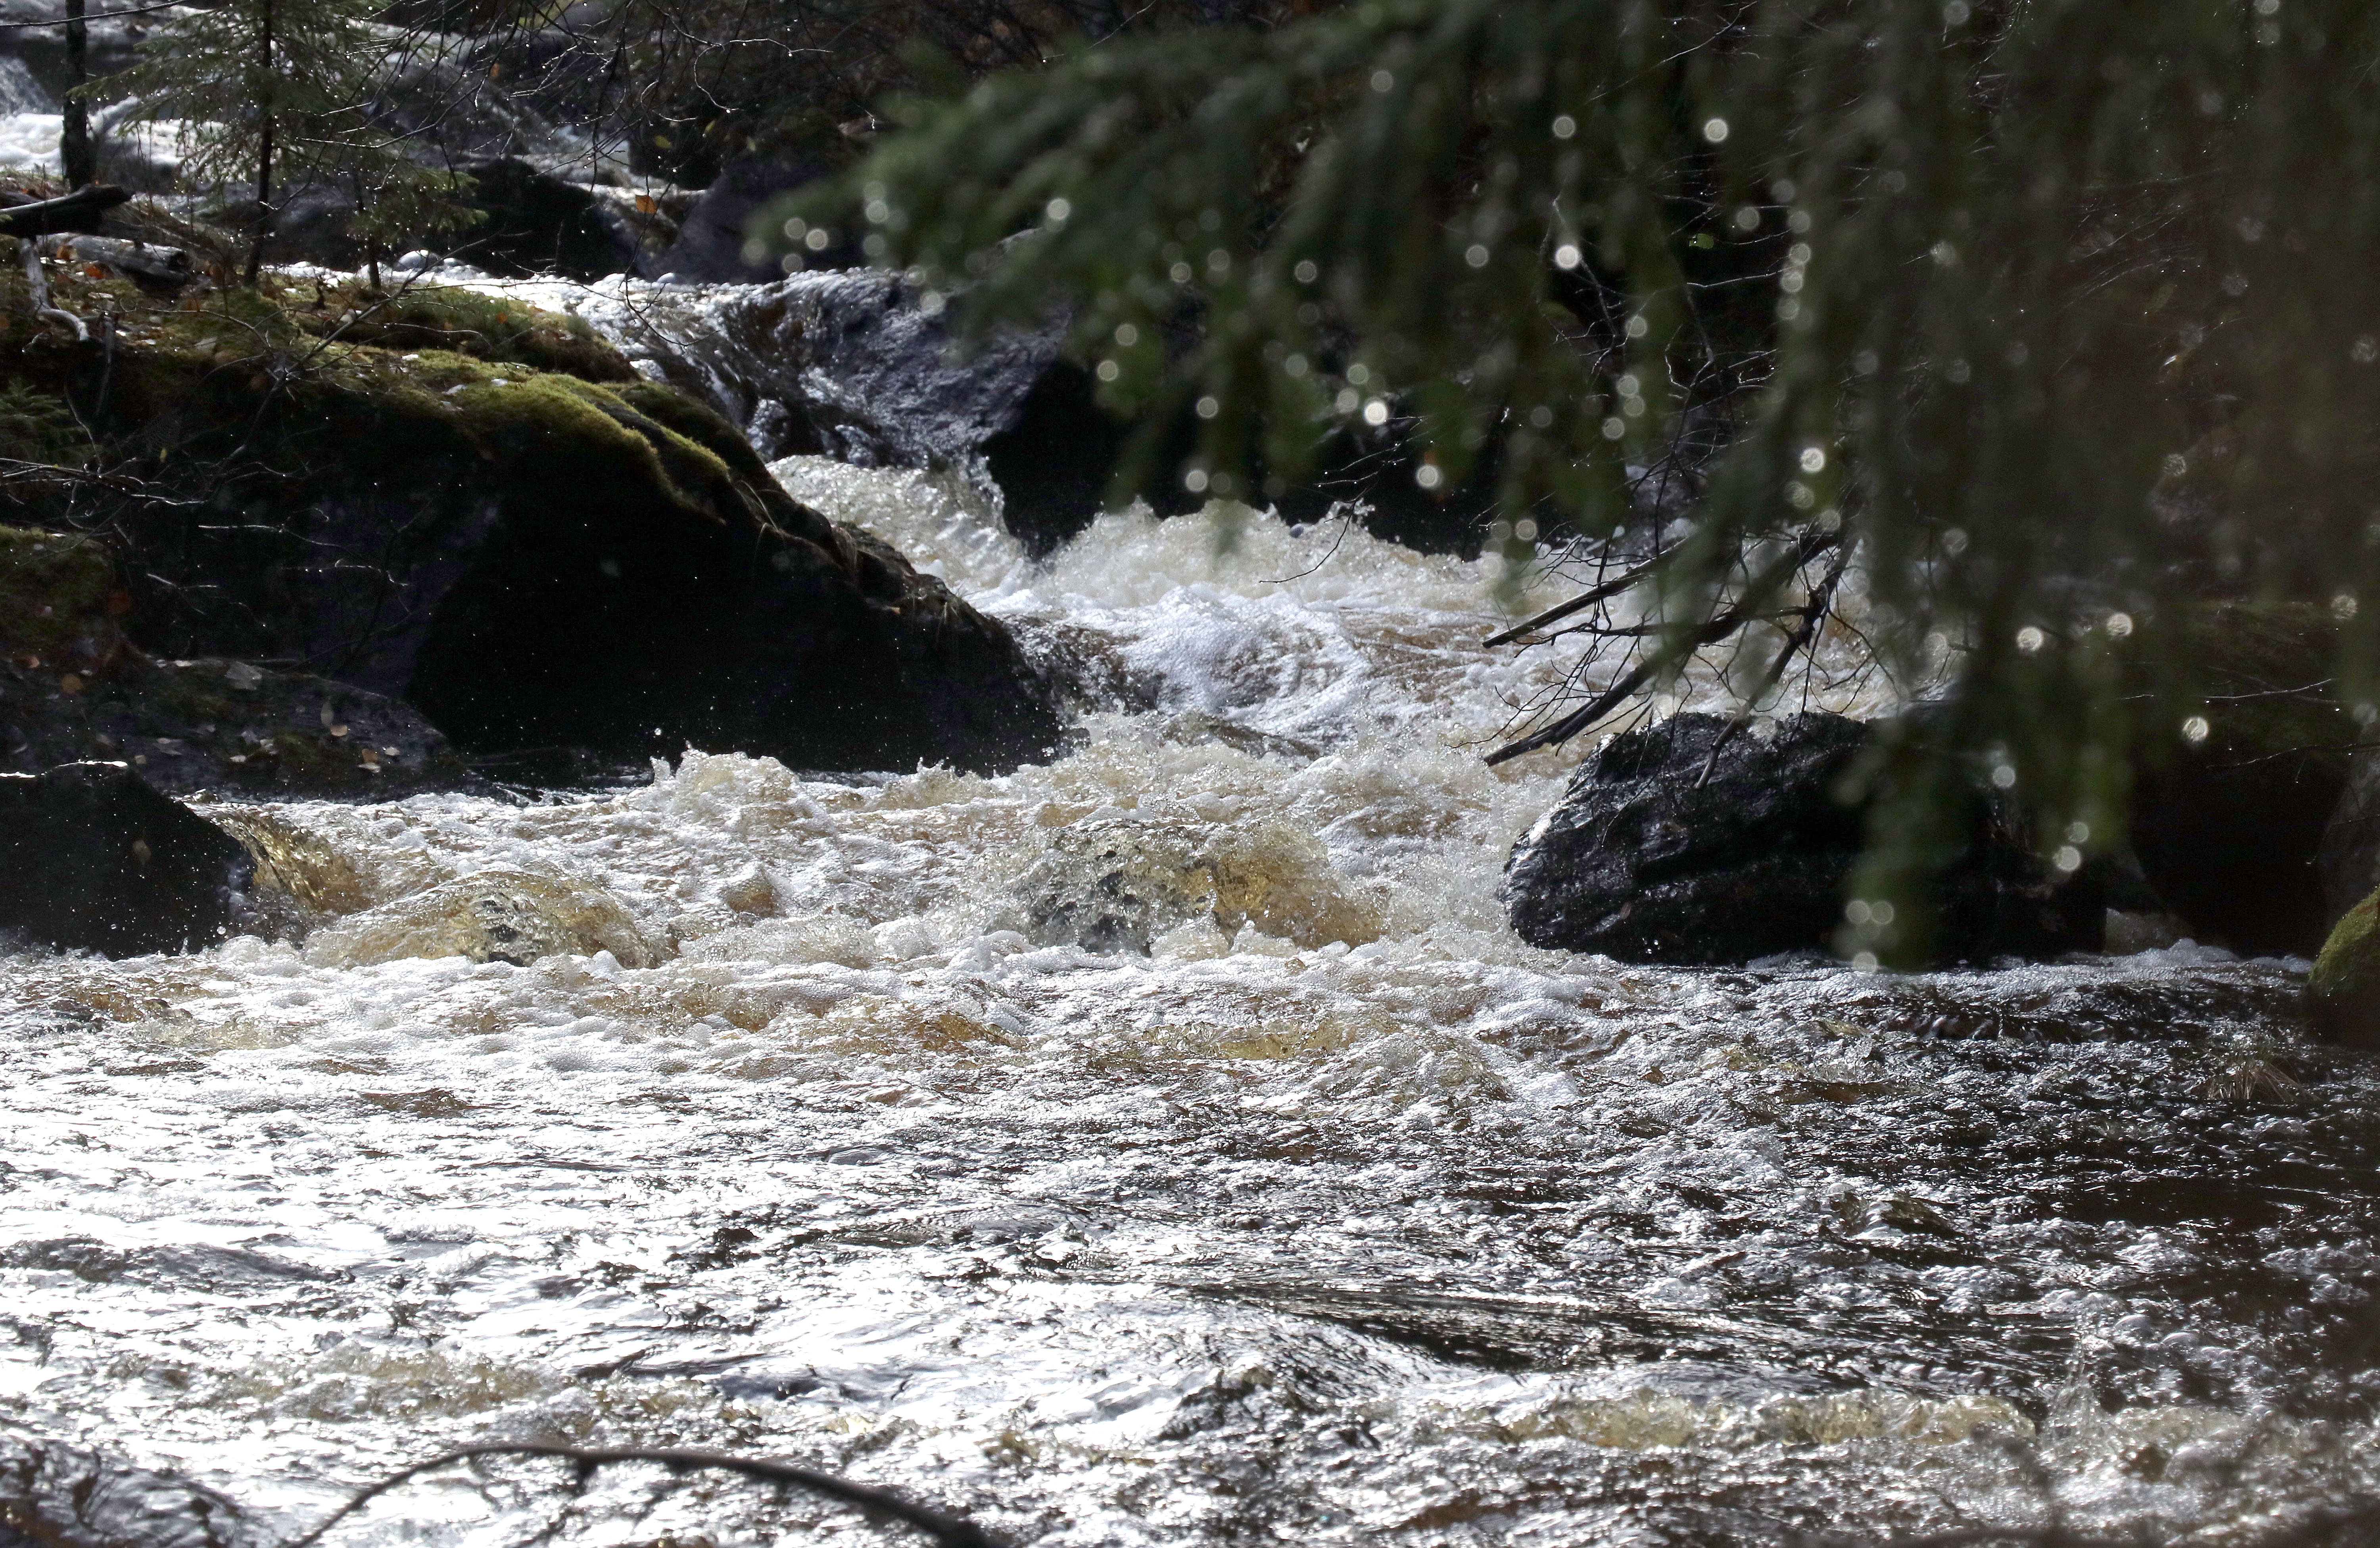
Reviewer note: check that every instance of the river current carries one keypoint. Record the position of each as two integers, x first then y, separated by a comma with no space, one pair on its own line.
1275,1193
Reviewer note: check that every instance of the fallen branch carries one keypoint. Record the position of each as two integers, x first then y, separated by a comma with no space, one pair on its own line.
1560,611
1813,613
69,213
1685,643
39,283
169,266
952,1531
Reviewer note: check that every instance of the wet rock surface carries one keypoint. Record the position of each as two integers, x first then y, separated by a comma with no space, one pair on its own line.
73,687
91,859
532,560
1647,861
711,245
850,365
60,1496
1122,885
499,915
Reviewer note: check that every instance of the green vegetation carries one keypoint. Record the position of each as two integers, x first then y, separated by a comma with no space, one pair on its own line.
51,586
37,427
2056,316
272,94
484,327
266,378
2345,989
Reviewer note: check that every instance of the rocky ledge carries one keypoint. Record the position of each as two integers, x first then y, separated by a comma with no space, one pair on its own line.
478,511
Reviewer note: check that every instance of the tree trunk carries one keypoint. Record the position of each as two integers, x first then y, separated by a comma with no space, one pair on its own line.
74,135
264,144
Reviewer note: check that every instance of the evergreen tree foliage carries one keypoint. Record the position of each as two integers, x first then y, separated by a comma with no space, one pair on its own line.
274,94
2059,313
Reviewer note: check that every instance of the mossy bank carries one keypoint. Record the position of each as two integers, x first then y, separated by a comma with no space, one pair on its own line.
479,508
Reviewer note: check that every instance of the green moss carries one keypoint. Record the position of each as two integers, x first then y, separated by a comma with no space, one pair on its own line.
187,695
493,329
525,420
2345,989
698,422
270,384
54,587
37,427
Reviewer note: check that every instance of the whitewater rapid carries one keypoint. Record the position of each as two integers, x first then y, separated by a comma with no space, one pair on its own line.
1274,1191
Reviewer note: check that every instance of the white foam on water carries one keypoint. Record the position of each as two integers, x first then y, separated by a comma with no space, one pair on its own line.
1340,1214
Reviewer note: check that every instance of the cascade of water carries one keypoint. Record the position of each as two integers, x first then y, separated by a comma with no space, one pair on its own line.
1167,1143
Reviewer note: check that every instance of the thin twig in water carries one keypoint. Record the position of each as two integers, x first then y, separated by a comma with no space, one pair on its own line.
952,1531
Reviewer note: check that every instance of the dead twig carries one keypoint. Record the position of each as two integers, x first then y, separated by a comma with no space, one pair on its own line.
1813,613
952,1531
1560,611
1686,640
39,283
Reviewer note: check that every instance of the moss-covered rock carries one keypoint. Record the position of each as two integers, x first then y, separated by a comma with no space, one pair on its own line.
2344,992
495,328
533,559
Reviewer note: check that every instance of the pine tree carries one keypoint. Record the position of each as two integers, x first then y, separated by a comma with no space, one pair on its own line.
2059,313
274,94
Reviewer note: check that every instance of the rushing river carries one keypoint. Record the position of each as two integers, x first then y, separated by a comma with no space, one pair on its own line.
1303,1204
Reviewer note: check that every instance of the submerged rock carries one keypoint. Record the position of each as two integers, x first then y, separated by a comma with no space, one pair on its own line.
1121,885
1645,862
63,1496
497,915
73,687
91,859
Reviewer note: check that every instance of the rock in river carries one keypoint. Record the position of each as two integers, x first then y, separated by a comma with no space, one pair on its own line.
532,558
2344,992
1645,862
91,859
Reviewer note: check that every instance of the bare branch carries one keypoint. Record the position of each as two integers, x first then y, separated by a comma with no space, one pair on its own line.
952,1531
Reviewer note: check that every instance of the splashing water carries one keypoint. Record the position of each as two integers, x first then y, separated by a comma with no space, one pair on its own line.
1168,1144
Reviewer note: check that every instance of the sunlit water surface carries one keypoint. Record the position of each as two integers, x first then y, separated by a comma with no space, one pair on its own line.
1339,1215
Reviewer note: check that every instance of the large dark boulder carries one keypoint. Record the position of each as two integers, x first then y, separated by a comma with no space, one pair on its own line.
714,240
1053,460
1645,861
93,860
532,221
538,222
532,560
